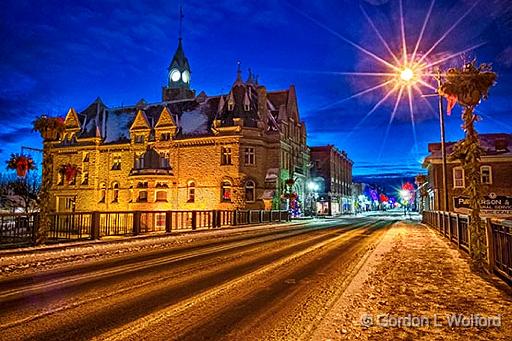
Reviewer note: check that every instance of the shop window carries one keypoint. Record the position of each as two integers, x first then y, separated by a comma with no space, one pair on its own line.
226,191
250,191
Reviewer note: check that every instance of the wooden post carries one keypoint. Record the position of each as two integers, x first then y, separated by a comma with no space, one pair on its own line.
168,221
136,223
491,256
95,225
194,220
449,226
457,225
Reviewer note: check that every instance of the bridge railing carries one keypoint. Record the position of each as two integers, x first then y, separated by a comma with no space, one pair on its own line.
498,232
20,229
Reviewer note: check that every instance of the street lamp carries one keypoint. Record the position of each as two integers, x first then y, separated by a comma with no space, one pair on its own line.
313,188
406,197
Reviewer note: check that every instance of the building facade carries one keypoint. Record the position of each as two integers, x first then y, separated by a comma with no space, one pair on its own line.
188,152
332,174
495,173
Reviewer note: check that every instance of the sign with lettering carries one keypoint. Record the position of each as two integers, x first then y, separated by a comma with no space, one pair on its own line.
490,204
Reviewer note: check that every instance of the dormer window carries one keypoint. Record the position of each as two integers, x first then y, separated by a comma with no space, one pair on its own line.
231,106
165,136
139,138
246,106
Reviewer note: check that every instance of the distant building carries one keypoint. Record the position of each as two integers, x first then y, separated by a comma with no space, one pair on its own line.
238,150
495,173
332,170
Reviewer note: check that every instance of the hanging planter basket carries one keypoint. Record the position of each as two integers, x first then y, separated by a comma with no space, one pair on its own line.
50,128
21,163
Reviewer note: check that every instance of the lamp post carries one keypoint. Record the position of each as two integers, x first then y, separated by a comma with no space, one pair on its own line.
443,143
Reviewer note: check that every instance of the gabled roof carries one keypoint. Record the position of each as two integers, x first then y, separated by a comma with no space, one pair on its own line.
140,122
165,120
71,121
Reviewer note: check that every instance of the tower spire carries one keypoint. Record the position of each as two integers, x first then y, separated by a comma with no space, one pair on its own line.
181,22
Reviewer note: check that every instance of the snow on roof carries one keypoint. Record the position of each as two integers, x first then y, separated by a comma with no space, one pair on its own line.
194,122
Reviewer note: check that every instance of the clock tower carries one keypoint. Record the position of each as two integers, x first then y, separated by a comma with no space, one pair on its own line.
178,74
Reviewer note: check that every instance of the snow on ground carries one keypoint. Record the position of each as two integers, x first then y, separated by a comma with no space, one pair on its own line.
34,259
415,273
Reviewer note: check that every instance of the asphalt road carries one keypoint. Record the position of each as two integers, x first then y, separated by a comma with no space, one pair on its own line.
263,284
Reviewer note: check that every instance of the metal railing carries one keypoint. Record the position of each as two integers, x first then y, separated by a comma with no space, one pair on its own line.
18,229
454,226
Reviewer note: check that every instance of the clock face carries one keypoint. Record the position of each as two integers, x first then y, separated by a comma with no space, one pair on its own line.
175,75
185,76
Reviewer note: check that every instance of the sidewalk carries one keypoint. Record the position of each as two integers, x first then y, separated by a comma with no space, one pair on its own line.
416,286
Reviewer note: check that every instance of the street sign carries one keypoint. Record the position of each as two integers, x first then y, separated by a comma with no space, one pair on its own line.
490,204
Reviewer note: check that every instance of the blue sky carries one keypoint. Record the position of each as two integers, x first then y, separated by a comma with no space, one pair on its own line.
60,54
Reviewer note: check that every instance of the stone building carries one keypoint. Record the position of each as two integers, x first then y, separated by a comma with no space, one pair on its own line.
187,152
332,172
495,172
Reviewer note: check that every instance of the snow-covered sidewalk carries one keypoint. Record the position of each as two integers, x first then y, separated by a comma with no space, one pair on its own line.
415,285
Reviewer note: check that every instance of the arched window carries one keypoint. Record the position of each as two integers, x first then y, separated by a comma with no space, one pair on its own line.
115,192
191,191
103,192
226,190
250,194
486,175
161,196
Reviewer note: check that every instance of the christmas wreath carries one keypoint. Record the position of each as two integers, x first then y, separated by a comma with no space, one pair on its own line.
69,171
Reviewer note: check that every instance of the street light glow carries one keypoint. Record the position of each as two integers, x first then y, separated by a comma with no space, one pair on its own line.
407,74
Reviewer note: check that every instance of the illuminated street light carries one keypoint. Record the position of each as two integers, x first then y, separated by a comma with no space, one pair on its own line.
407,74
312,186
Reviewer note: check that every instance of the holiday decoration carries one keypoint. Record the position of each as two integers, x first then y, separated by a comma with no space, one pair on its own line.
21,163
49,127
71,171
470,84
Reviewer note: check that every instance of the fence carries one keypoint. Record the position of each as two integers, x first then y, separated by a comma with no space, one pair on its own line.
18,229
498,237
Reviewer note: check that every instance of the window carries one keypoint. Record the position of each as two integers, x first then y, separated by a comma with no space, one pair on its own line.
191,191
103,192
139,161
250,191
139,138
160,220
249,156
226,191
116,162
142,184
165,136
164,160
60,179
486,175
458,177
85,157
143,196
226,156
85,178
115,193
161,196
